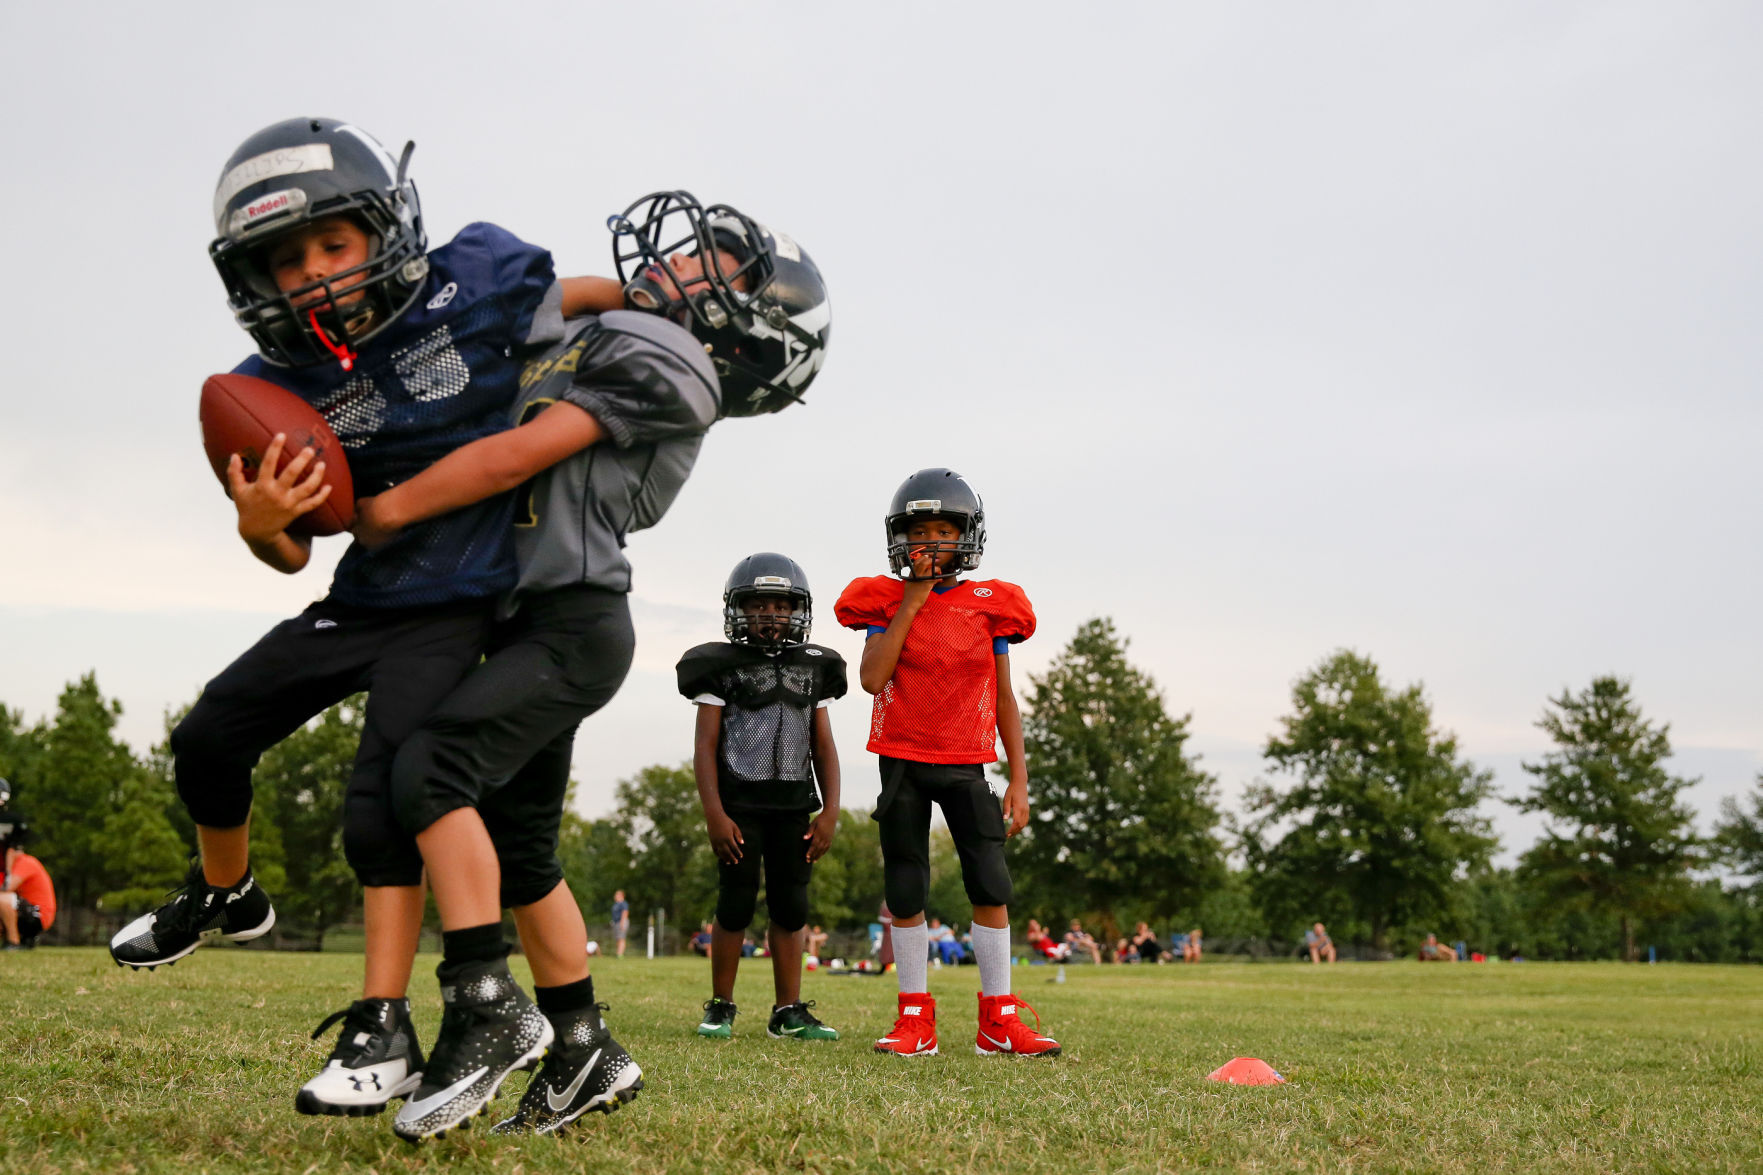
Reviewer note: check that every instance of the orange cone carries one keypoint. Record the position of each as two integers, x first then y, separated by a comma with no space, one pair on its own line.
1246,1071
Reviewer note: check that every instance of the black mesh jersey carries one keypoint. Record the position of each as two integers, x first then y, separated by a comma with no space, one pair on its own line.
442,376
768,700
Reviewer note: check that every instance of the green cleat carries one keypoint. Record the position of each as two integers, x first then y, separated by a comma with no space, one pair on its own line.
796,1022
719,1019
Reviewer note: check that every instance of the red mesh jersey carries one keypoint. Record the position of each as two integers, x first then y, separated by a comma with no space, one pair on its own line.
34,886
941,705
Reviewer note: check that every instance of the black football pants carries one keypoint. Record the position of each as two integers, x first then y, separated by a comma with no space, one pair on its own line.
774,840
407,659
975,820
501,741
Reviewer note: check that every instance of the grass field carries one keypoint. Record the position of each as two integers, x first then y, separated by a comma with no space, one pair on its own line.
1396,1066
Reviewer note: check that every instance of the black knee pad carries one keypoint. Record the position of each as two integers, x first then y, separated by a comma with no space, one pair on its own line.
907,886
986,877
215,786
422,784
525,882
789,906
380,852
734,905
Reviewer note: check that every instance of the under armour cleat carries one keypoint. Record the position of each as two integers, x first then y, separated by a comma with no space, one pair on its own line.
795,1021
196,912
376,1059
719,1019
915,1031
1001,1030
490,1029
585,1070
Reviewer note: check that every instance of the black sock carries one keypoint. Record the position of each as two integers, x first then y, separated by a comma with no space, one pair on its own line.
474,944
565,997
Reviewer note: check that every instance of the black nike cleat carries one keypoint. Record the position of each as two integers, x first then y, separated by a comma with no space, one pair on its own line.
197,912
376,1059
489,1030
585,1070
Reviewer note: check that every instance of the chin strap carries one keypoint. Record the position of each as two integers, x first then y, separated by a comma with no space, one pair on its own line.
341,350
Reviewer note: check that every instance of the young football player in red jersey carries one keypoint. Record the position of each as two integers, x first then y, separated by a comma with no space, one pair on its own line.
938,662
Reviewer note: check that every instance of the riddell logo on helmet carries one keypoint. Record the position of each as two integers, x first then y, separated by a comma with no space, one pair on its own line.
275,203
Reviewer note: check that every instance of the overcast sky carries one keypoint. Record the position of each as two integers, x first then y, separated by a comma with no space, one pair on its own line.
1429,331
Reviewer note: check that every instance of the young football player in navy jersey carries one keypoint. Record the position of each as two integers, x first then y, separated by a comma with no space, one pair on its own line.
408,354
763,740
937,660
612,422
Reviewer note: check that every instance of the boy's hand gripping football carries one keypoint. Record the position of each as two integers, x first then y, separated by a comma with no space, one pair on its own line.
820,834
725,837
270,503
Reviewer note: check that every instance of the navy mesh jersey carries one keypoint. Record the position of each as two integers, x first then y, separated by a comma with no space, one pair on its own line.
440,377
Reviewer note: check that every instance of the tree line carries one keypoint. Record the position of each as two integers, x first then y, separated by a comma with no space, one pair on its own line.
1369,818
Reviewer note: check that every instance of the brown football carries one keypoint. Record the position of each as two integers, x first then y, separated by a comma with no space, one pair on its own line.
241,414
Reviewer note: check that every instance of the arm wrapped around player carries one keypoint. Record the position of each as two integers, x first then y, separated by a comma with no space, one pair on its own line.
644,380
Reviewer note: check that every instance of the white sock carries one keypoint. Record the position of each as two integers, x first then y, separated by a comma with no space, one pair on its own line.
991,949
911,951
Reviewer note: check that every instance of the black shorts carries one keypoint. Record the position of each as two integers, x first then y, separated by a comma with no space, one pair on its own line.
407,659
776,843
501,741
975,820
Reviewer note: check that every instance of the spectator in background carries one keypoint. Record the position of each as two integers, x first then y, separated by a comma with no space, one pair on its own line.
701,941
1144,944
1319,944
621,920
27,897
1077,939
815,943
944,943
1040,942
1434,951
1191,952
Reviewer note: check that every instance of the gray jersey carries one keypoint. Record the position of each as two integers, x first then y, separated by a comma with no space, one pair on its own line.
653,390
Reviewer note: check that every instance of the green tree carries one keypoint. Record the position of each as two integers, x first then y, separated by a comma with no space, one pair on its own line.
297,819
672,866
99,815
1120,815
596,860
1618,840
1381,817
1738,836
21,747
846,890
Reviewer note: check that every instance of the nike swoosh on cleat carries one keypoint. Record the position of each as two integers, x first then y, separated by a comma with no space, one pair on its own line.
414,1110
1003,1045
924,1044
559,1104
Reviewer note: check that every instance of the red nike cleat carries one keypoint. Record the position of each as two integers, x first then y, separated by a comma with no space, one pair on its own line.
915,1033
1002,1031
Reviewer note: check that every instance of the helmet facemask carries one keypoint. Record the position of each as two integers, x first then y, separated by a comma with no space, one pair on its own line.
935,494
765,351
745,629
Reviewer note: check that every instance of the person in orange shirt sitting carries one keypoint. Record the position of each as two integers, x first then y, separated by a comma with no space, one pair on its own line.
27,900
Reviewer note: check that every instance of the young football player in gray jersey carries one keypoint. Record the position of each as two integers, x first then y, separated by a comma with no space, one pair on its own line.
763,741
733,321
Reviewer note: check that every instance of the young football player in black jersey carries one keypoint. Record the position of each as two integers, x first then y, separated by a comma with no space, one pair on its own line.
408,354
763,741
612,423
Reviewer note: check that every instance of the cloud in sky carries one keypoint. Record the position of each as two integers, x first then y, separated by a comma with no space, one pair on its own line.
1427,332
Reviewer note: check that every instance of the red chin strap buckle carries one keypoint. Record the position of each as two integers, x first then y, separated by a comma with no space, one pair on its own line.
341,350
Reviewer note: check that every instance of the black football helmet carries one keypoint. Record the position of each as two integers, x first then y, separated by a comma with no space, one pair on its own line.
936,493
767,574
289,175
768,343
5,793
